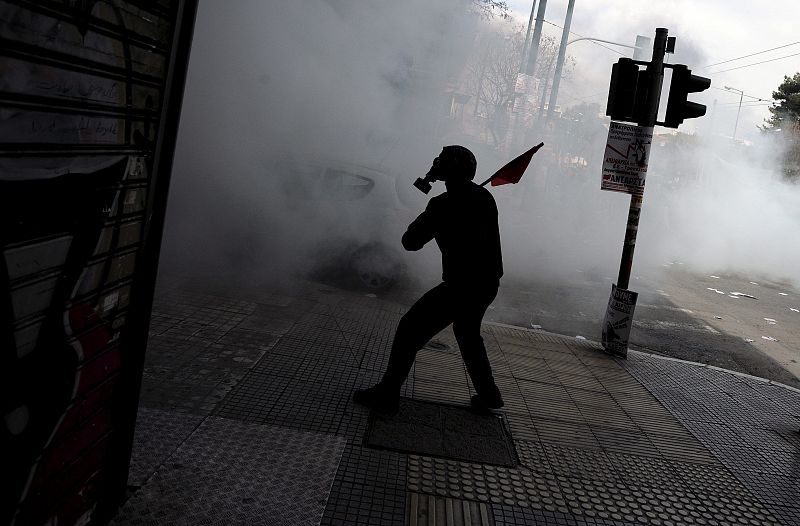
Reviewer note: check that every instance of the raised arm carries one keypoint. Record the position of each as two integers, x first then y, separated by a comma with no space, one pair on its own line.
420,231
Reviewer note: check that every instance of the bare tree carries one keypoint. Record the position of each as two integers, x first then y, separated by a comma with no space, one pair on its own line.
491,8
493,72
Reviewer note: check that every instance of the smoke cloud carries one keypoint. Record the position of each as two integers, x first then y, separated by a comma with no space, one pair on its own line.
305,123
733,212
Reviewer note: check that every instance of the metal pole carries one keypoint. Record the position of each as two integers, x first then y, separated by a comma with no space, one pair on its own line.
741,95
537,36
713,117
527,39
562,52
704,158
656,72
539,125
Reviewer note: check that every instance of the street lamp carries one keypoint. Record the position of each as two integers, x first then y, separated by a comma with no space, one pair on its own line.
557,74
741,94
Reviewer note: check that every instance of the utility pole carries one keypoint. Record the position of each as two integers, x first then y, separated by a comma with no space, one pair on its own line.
741,96
537,36
562,52
539,126
522,63
713,118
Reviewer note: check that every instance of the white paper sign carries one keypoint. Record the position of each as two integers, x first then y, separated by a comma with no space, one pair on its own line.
626,157
618,321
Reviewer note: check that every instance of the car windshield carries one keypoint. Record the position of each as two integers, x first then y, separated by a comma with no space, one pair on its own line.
345,186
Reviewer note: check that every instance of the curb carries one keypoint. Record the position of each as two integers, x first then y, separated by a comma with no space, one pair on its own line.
659,356
720,369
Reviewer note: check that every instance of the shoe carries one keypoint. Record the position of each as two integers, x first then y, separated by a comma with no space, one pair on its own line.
481,406
378,398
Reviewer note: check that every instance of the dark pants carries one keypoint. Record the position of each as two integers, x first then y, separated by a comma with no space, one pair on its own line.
464,307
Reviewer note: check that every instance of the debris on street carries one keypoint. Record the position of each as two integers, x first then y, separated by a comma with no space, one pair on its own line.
743,295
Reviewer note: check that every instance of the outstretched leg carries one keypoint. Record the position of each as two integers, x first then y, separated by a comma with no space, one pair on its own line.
427,317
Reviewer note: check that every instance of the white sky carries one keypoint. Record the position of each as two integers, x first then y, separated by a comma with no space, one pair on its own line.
707,31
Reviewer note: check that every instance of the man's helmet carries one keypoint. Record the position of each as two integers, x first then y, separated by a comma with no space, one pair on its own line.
457,161
453,164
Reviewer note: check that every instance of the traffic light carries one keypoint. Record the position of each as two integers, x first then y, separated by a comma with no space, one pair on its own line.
627,91
683,83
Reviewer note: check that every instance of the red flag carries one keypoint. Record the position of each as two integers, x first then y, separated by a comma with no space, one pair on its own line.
512,172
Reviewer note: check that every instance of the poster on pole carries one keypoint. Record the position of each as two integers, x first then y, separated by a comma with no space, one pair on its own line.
626,157
618,321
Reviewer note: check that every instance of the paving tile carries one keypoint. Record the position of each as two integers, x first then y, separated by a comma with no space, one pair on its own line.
625,441
590,383
773,489
532,370
787,515
505,515
456,394
703,479
577,462
428,510
534,391
219,474
312,406
532,455
554,410
564,433
158,434
484,483
253,399
738,426
593,499
369,488
682,447
599,440
521,426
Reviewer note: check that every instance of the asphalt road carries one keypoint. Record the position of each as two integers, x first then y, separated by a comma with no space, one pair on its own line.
723,320
760,317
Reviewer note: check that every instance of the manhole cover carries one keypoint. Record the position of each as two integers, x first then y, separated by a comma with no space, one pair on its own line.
441,430
436,345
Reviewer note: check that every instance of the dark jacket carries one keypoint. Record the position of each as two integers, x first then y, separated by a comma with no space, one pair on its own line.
464,224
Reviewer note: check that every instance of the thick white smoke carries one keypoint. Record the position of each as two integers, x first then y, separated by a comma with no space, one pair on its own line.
735,214
304,85
276,90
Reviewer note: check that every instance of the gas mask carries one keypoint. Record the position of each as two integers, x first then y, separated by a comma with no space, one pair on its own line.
434,174
454,161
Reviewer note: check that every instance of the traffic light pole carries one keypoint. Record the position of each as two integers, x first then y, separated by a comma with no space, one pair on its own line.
655,72
634,96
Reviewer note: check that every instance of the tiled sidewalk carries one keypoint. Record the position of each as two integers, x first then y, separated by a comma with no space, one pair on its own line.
246,409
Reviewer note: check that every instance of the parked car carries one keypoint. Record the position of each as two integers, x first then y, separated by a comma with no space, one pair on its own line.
356,216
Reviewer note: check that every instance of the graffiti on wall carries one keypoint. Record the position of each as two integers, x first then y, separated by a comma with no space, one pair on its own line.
64,296
79,111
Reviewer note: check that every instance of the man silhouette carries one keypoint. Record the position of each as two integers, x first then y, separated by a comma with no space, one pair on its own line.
463,221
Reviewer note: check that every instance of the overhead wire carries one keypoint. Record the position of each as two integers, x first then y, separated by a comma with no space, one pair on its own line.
744,94
754,64
745,104
751,54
